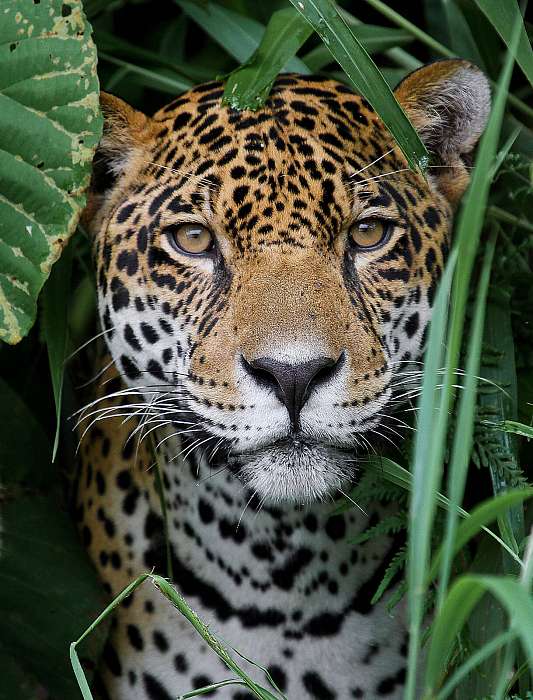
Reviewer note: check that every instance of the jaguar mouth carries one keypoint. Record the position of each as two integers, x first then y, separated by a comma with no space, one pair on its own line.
294,470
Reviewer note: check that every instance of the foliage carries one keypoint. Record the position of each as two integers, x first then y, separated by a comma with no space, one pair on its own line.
49,127
471,447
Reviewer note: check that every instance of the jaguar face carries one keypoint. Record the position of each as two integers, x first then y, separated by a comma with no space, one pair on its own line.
262,276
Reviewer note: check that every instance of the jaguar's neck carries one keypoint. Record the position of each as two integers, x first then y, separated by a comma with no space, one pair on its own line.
293,554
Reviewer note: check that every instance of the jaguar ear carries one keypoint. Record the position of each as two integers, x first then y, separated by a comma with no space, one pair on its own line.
123,144
448,103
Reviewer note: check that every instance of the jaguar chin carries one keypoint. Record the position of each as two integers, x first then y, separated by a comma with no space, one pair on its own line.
294,470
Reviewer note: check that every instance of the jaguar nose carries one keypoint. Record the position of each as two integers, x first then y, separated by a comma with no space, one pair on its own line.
292,383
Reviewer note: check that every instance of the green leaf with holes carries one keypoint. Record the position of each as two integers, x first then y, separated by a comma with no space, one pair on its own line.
49,126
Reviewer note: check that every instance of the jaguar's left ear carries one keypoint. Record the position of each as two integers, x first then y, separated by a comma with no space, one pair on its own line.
448,103
121,151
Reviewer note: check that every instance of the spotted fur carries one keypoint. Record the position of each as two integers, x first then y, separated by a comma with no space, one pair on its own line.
213,344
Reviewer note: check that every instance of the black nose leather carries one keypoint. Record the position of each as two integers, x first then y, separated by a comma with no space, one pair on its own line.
292,384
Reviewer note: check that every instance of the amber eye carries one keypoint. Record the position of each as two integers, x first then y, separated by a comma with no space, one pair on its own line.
193,239
370,233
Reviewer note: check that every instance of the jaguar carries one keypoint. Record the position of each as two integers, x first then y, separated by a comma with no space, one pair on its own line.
264,278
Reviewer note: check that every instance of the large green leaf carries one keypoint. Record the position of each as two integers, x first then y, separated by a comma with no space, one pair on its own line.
49,128
364,75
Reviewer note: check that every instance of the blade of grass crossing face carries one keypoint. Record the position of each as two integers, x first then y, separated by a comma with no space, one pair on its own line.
179,602
364,75
462,439
427,468
248,86
74,659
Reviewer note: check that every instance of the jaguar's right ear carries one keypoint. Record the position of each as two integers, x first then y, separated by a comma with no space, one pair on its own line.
121,150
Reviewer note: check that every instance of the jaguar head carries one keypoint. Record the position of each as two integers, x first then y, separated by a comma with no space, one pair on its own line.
263,276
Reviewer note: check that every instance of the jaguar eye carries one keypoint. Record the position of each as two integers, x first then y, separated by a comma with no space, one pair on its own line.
368,234
192,239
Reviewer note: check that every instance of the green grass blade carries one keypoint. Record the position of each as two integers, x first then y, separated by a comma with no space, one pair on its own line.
210,688
462,439
78,672
512,426
150,77
431,433
184,609
396,474
427,468
73,653
461,39
463,596
501,447
504,16
477,658
249,85
114,45
477,520
55,328
364,75
237,34
526,576
472,214
375,39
